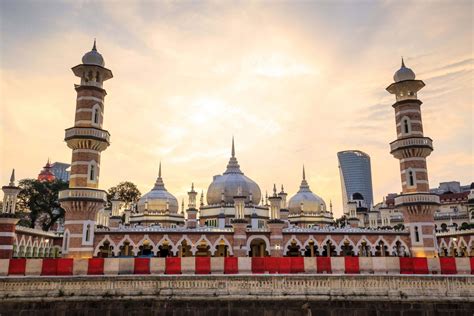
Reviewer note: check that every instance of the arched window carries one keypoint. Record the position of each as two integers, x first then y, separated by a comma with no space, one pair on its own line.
417,234
406,125
96,116
411,177
92,172
66,240
88,232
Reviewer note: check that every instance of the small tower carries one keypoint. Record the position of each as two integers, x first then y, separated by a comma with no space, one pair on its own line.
87,140
192,210
10,195
8,220
46,174
275,205
411,148
117,211
284,211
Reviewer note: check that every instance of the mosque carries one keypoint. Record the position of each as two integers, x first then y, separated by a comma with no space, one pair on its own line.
232,218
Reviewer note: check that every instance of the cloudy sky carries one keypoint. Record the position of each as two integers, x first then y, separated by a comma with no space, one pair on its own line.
294,82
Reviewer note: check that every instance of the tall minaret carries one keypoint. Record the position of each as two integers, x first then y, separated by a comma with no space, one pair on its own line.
411,147
8,220
87,140
10,195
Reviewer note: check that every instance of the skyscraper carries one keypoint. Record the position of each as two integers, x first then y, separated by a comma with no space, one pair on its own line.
356,176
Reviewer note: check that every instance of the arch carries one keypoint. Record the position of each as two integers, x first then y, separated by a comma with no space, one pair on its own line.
324,244
289,242
175,247
262,237
340,249
395,251
463,250
96,115
308,251
101,243
126,238
360,251
219,242
92,171
405,125
377,244
194,248
164,247
66,239
141,242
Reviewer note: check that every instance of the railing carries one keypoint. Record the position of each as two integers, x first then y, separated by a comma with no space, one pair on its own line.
417,198
87,131
132,229
83,194
414,141
34,231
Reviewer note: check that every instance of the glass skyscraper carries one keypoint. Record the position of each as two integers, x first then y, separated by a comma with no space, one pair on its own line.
356,176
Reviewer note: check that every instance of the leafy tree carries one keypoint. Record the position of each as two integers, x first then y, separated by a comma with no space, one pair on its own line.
126,191
399,226
39,200
340,222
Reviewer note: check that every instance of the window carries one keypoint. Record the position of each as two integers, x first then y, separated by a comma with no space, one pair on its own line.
88,232
96,116
411,179
92,173
417,234
405,125
66,240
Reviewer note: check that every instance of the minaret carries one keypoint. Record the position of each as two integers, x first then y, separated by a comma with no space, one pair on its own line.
117,211
87,140
284,212
8,220
192,210
411,148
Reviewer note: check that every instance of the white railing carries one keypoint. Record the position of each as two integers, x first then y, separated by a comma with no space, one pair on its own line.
34,231
83,193
132,229
416,198
346,230
414,141
85,131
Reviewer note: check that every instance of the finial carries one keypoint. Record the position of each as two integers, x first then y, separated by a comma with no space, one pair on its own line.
233,147
182,205
159,171
192,186
274,190
403,63
94,48
304,174
282,189
12,178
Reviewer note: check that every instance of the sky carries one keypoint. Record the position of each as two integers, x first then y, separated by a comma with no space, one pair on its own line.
293,82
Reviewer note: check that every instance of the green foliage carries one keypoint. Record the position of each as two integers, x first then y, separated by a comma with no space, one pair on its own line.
399,226
39,199
126,191
340,222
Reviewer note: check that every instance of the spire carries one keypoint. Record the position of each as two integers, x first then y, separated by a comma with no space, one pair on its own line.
233,147
94,48
12,178
304,185
274,190
159,184
233,165
403,63
202,198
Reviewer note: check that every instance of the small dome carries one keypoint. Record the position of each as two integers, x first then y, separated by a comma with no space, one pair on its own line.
93,57
403,73
158,199
231,183
306,199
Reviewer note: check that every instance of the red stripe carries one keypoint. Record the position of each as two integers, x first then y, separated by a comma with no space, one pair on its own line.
323,264
95,266
448,265
141,266
258,265
271,264
17,267
231,265
472,265
351,265
203,265
297,265
49,267
406,265
65,266
173,265
285,265
420,266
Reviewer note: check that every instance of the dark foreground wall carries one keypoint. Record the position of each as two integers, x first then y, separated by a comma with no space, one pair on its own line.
216,307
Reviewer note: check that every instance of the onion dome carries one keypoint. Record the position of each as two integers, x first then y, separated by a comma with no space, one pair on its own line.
305,200
158,199
231,183
46,174
403,73
93,57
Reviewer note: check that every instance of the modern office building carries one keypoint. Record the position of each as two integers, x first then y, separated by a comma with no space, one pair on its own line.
356,177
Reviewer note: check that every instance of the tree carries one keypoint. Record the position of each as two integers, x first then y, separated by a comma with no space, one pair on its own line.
126,191
399,226
39,200
340,222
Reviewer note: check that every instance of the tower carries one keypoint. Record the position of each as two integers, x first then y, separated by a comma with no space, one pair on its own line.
411,148
8,220
87,140
192,210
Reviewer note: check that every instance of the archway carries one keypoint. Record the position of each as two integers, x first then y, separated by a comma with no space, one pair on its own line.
106,250
126,249
184,249
329,249
347,249
311,250
222,250
364,249
164,250
381,249
146,249
293,249
258,248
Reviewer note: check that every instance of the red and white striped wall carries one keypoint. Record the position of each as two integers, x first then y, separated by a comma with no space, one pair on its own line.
235,265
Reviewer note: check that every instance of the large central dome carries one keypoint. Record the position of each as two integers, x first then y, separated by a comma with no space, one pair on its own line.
232,183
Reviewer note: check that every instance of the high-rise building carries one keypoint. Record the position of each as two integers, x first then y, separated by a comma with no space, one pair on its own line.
60,170
356,177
